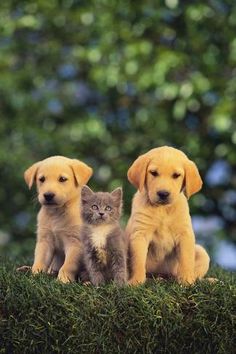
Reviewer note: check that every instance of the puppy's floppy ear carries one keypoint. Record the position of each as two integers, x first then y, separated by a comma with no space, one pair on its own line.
86,193
137,172
30,174
193,181
82,172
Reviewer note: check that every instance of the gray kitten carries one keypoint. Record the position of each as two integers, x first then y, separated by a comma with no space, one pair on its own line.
104,244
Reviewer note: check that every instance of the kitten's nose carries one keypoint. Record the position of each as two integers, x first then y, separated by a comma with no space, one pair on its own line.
101,214
49,196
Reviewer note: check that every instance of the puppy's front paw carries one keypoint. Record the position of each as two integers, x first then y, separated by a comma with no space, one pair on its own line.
65,277
134,281
212,280
37,268
186,279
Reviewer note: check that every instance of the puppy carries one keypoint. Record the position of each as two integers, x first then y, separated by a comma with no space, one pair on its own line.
161,237
58,247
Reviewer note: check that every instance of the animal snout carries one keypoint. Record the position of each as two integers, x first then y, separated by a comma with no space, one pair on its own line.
101,214
163,195
49,196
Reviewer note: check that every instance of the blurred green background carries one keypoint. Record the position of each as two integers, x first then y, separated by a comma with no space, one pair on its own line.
105,81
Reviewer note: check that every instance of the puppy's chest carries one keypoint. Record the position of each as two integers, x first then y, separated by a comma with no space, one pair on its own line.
64,232
164,243
163,236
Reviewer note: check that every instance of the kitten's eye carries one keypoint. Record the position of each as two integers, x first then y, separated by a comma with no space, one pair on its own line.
42,179
154,173
108,208
62,179
94,207
176,175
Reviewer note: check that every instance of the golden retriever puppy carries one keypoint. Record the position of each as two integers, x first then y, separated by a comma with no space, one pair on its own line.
58,247
160,232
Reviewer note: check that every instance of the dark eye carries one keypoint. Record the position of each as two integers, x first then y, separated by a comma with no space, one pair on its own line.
175,175
108,208
62,179
154,173
94,207
42,179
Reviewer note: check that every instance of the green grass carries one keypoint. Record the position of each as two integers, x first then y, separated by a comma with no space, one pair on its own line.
40,315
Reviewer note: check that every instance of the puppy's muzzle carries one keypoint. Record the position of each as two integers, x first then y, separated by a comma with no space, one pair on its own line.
49,198
163,196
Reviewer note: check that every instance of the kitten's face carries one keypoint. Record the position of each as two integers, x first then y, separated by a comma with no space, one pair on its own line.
101,207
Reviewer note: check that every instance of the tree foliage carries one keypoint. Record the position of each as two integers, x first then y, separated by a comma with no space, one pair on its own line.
105,81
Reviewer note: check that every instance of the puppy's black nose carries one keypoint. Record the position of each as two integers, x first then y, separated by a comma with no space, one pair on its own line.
163,195
49,196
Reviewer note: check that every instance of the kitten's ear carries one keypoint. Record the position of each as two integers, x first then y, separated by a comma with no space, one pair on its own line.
86,193
117,194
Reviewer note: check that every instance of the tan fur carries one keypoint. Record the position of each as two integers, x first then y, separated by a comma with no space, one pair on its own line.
161,237
58,247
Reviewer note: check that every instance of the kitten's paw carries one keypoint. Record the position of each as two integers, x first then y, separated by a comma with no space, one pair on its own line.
120,281
87,283
98,283
97,279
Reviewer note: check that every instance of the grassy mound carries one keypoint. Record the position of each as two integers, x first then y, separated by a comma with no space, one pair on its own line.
40,315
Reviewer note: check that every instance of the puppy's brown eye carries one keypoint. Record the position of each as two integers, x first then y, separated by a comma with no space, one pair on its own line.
154,173
108,208
62,179
42,179
94,207
175,175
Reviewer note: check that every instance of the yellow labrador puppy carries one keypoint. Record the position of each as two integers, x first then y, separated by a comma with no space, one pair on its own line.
59,181
160,231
